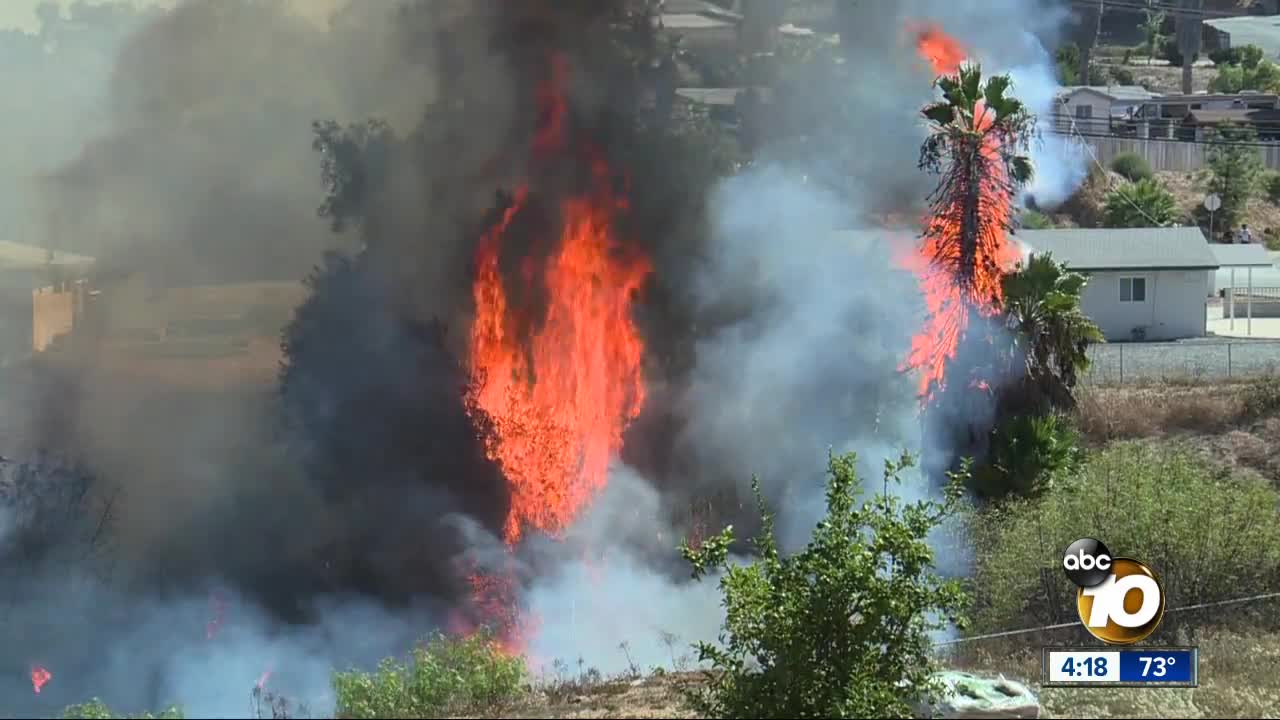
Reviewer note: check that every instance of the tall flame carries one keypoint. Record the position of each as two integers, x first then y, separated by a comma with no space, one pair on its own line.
943,52
959,274
559,396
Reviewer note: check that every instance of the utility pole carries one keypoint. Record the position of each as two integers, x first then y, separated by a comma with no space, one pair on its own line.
1188,21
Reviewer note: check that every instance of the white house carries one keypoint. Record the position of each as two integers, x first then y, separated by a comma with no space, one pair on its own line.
1144,283
1090,108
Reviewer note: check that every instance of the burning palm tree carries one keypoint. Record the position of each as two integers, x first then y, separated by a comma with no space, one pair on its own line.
977,142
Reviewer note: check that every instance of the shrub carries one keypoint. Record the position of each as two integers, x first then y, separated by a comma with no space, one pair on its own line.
1247,56
840,629
1026,456
1271,184
1121,75
95,709
1208,534
444,675
1132,166
1033,220
1145,203
1261,398
1264,77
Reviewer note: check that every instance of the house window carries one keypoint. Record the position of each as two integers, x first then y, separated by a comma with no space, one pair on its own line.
1084,112
1133,289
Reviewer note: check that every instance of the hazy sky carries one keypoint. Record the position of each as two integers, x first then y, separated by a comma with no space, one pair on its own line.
22,13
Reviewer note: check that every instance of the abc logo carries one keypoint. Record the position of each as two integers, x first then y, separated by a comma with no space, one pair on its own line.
1120,600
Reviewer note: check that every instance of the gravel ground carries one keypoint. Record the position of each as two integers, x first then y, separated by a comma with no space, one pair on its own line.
1187,360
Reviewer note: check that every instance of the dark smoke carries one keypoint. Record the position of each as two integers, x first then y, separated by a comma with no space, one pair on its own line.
339,510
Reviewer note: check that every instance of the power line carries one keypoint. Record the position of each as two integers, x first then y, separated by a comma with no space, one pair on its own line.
1199,12
1110,185
1059,626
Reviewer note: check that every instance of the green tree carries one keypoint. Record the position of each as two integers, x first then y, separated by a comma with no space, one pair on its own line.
1032,443
1050,332
841,628
1263,76
1233,171
1145,203
1151,29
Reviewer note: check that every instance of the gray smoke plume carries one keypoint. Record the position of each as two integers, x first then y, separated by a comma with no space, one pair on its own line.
813,313
201,170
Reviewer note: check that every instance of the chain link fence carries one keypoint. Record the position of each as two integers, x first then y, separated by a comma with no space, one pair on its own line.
1186,361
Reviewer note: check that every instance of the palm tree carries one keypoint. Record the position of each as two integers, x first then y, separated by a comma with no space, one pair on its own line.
1050,336
978,138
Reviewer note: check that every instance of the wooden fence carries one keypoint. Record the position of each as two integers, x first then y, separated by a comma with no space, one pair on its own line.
1163,154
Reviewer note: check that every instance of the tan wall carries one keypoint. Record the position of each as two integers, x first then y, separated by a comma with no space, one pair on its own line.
53,313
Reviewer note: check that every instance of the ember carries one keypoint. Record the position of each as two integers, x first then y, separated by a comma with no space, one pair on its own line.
39,676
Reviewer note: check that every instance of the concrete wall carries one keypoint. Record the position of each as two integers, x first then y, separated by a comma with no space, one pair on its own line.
1174,306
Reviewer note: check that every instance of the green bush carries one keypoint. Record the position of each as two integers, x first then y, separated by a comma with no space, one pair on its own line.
1264,77
840,629
1027,455
1132,166
1145,203
95,709
1121,75
1033,220
1248,56
443,676
1271,185
1208,535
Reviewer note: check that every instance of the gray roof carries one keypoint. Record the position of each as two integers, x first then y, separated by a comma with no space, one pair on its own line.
1260,30
1245,255
16,256
719,96
1115,92
1167,248
693,21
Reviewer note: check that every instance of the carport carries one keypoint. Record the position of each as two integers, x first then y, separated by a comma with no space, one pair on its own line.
1231,258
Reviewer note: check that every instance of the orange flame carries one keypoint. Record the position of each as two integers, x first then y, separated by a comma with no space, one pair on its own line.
39,676
942,51
558,398
949,298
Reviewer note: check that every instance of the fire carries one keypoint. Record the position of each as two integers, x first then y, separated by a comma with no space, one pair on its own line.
958,274
942,51
558,389
39,676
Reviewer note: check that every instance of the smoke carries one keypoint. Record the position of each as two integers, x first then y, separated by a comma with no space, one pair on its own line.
773,339
814,365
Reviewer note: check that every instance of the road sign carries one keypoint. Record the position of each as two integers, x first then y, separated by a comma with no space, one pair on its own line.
1212,202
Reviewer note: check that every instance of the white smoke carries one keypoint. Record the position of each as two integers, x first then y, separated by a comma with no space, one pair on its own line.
1060,164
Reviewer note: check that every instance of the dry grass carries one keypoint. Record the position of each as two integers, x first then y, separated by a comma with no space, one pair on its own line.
1188,192
1237,679
1122,413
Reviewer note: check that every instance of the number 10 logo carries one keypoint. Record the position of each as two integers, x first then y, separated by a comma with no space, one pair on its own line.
1120,600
